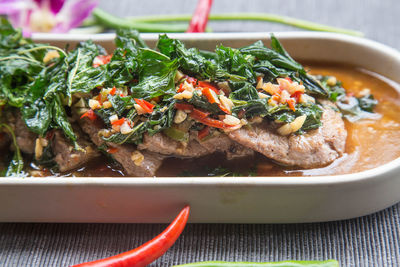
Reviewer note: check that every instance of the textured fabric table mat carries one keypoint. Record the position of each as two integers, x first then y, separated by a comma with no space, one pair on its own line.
367,241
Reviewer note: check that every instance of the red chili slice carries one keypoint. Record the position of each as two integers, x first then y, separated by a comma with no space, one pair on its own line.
199,114
209,95
90,115
208,85
113,90
118,122
112,150
183,106
291,104
203,132
191,80
101,60
147,106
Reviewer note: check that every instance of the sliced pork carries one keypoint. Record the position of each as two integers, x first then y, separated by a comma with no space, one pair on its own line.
67,157
135,163
194,148
315,148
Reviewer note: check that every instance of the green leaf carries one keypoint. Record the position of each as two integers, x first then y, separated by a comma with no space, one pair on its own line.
37,116
16,166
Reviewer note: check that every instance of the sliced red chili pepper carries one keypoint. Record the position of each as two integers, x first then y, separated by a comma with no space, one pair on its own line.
181,89
224,109
297,95
98,98
291,104
191,80
113,90
101,60
212,123
183,106
203,132
150,251
118,122
147,106
208,85
90,115
198,23
112,150
209,95
199,114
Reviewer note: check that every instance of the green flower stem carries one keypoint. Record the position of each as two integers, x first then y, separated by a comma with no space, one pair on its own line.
110,21
157,23
298,23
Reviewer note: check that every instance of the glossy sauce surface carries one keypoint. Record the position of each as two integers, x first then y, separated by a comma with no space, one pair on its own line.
370,143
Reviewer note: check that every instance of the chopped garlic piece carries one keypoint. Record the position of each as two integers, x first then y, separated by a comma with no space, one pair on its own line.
226,102
184,95
298,123
38,149
178,76
50,55
260,83
125,128
306,99
285,96
94,104
107,104
113,118
271,88
139,109
180,116
331,81
262,95
292,127
285,129
231,120
137,158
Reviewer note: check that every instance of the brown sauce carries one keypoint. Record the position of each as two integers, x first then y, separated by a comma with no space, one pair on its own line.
370,143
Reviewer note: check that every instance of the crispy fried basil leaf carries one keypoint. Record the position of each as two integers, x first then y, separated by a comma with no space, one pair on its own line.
82,76
157,74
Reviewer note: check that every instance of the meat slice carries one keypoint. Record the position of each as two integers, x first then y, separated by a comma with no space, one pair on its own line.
25,138
4,140
135,163
67,157
315,148
194,148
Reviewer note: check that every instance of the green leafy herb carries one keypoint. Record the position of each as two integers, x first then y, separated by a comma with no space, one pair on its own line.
15,168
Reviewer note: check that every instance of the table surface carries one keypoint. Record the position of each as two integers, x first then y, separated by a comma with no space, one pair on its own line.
367,241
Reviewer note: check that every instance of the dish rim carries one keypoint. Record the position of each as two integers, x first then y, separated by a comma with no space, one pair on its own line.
212,181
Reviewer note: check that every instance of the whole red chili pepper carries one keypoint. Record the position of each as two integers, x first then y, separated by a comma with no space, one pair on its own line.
198,23
148,252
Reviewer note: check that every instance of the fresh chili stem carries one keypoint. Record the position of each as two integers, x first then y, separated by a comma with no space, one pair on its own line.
327,263
148,252
199,20
265,17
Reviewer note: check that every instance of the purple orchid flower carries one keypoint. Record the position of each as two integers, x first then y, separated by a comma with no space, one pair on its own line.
46,15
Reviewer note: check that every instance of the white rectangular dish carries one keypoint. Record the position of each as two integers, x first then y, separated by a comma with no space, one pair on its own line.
218,199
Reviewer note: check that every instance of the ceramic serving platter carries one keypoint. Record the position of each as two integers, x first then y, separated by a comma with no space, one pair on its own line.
218,199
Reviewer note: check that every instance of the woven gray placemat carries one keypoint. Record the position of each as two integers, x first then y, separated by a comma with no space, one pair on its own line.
372,240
